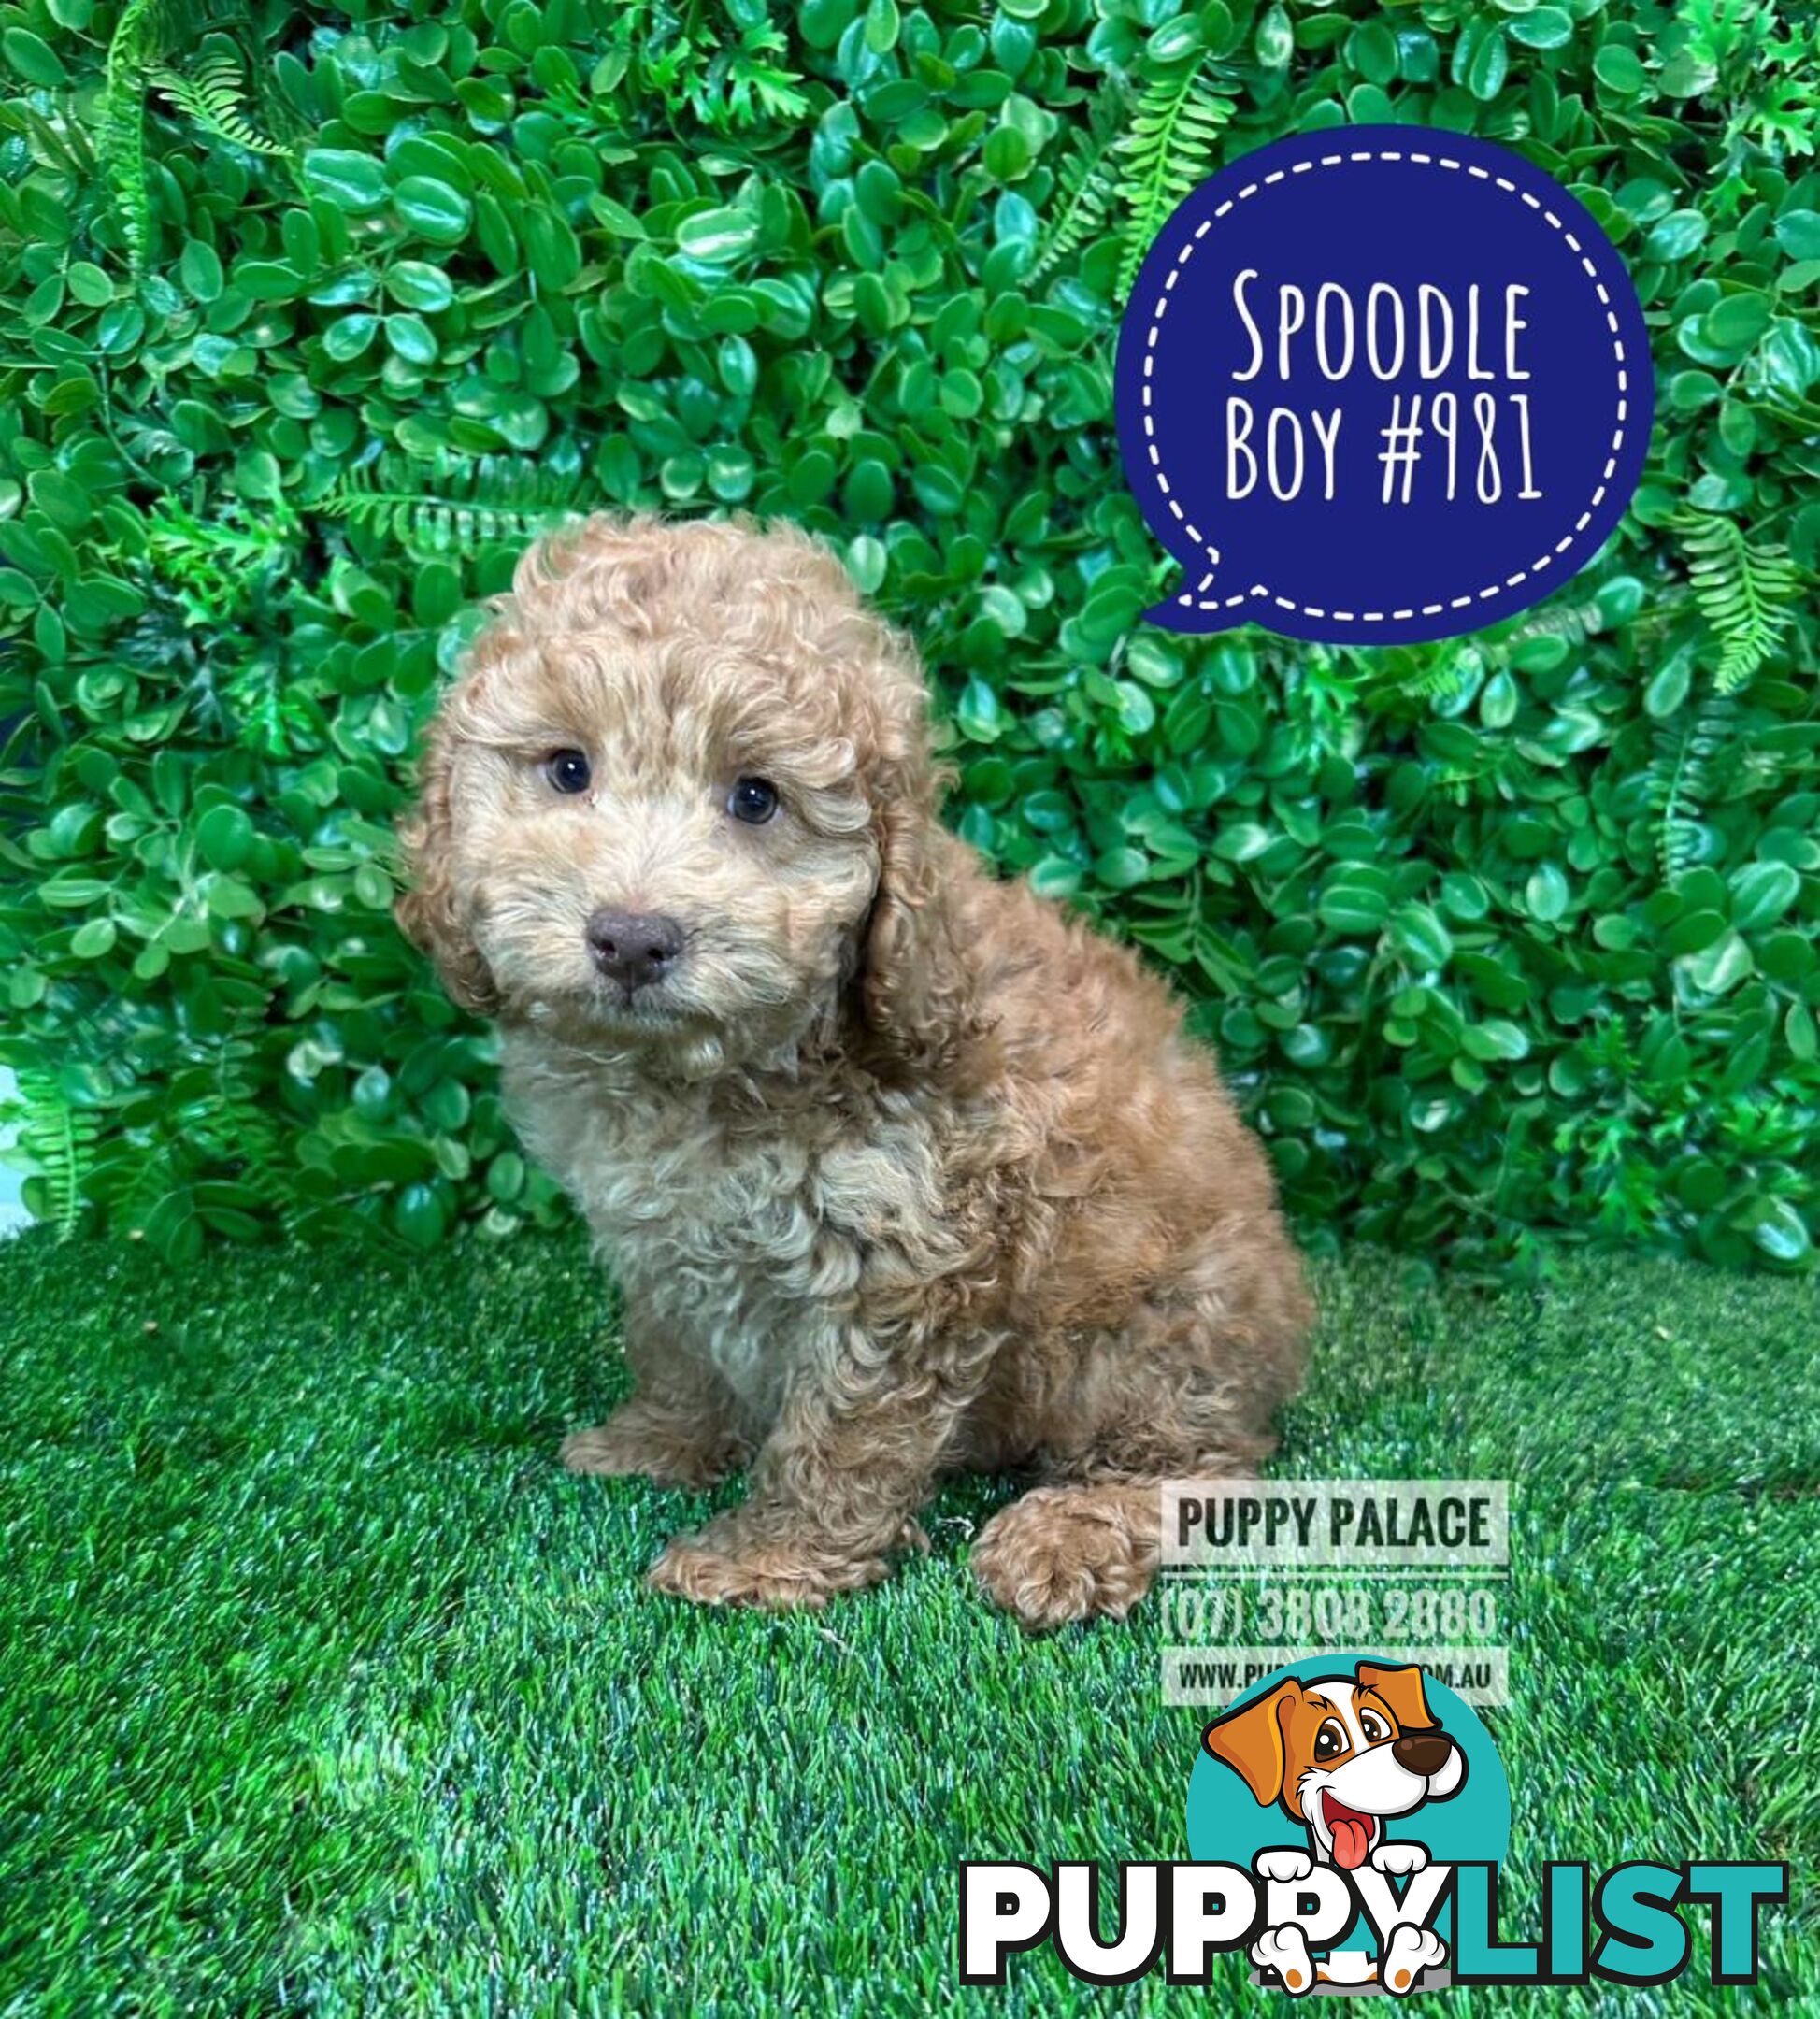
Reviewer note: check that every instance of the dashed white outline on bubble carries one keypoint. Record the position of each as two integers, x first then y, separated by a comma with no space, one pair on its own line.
1188,599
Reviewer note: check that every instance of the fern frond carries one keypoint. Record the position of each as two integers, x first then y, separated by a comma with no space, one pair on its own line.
1674,832
137,42
185,544
1174,133
145,38
214,1128
1683,780
228,1128
58,1144
481,498
1086,184
1746,593
1717,30
1446,674
215,99
1575,622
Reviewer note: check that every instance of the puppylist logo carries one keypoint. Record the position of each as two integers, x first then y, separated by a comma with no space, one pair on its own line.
1348,1813
1347,1823
1352,1758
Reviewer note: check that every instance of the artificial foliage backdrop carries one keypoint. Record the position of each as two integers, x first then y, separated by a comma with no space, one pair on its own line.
310,317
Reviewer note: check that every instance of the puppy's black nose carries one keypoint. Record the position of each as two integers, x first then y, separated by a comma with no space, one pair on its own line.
1423,1752
633,948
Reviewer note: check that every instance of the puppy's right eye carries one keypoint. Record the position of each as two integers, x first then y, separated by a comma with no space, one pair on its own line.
567,771
1329,1741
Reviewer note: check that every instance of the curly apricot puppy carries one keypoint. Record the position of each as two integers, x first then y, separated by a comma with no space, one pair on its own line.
899,1169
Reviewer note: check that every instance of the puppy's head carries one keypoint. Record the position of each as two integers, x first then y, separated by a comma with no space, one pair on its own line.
680,802
1341,1753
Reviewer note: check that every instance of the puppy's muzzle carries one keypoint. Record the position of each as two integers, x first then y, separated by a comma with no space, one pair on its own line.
633,948
1423,1752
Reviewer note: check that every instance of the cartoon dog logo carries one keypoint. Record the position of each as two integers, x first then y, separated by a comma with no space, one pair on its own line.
1342,1755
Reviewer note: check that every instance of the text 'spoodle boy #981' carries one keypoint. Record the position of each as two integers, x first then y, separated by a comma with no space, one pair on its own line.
900,1169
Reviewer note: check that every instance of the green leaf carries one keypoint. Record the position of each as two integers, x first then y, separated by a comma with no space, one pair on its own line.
354,183
1490,64
1780,1231
551,248
1355,901
32,59
1496,1039
433,209
1541,27
718,236
412,339
1619,69
1668,688
1417,931
418,285
200,271
1761,892
1719,968
1676,236
1737,321
349,336
225,836
420,1216
1121,868
1798,233
1241,841
1275,41
232,897
978,716
1546,893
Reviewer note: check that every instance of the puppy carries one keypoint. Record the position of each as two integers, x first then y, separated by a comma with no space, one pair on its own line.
899,1169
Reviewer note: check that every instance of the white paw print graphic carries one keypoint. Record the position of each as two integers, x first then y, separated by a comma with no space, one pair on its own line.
1408,1953
1284,1950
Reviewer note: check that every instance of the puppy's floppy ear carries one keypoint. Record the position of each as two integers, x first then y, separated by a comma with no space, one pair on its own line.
1250,1740
1401,1689
913,983
426,912
916,984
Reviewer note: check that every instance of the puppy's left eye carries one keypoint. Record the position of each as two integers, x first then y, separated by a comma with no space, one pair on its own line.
567,771
1376,1731
754,800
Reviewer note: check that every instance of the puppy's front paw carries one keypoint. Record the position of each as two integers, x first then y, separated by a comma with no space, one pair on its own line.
1399,1858
722,1566
1064,1553
642,1441
1283,1866
1407,1955
1284,1950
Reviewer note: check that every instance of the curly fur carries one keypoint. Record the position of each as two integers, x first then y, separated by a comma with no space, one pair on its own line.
899,1169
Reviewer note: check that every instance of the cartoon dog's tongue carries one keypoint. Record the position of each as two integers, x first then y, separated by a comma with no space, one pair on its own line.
1352,1834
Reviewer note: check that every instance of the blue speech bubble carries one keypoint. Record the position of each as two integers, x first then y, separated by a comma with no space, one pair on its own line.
1380,384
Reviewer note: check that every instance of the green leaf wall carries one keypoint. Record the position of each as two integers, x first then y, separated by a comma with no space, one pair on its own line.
308,318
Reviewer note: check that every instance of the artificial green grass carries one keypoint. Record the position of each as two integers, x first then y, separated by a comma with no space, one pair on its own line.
327,1691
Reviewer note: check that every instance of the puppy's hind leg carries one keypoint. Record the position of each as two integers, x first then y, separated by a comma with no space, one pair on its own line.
1183,1392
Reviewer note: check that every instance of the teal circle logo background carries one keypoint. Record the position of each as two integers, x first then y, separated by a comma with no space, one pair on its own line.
1226,1827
